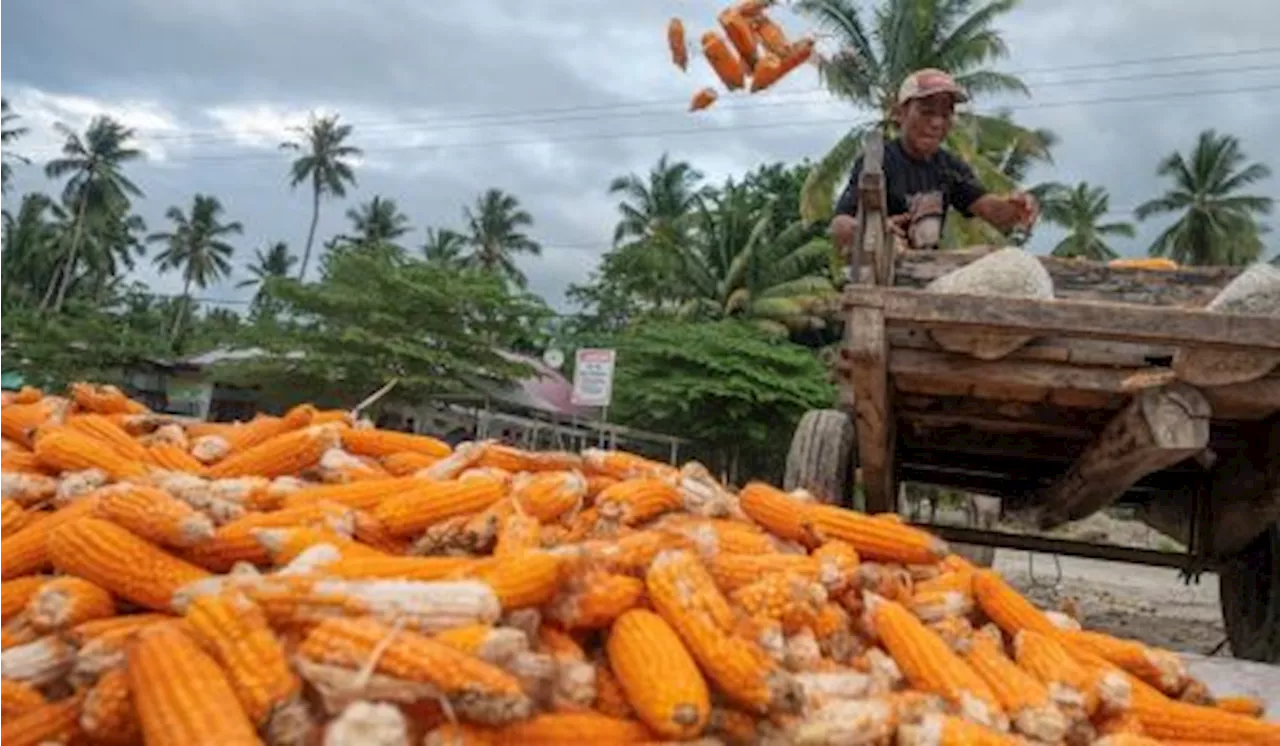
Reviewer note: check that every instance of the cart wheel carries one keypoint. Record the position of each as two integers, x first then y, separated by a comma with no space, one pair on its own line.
823,456
1249,589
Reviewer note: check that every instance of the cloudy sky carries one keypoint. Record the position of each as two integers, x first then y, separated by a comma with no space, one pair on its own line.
550,99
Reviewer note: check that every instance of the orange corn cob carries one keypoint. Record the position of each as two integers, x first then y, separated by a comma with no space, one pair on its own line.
364,495
28,395
702,99
105,431
27,550
683,592
52,723
782,514
1045,658
733,571
1006,607
29,489
181,695
118,627
67,449
676,43
237,541
767,71
383,443
594,598
548,495
120,562
404,568
945,730
557,729
626,555
726,64
516,460
14,462
1242,705
636,500
790,598
518,533
661,680
155,515
405,463
236,632
174,458
19,422
935,606
477,690
928,664
104,399
1117,724
738,31
495,645
285,544
770,34
108,716
13,517
339,467
1159,668
521,580
68,601
621,465
1167,720
17,593
875,539
17,698
413,510
596,483
265,427
288,453
1022,696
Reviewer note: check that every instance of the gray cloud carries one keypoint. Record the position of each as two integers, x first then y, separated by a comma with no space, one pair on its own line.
210,84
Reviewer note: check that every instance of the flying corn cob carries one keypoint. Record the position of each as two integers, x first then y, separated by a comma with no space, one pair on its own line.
703,99
738,30
676,43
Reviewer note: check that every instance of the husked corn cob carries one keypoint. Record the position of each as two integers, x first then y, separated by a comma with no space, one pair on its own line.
518,533
874,539
108,715
27,550
337,466
945,730
174,458
520,580
661,680
1119,723
155,515
514,459
929,665
733,571
38,663
288,453
557,729
413,510
19,422
104,399
13,462
636,500
477,690
626,555
265,427
27,395
285,544
117,626
621,465
17,698
51,723
120,562
17,593
405,463
66,449
405,568
1242,705
237,541
1006,607
1159,668
67,601
790,598
181,695
13,517
1022,696
683,592
363,495
109,433
236,632
782,514
384,443
1045,658
1168,720
935,606
495,645
594,599
550,494
710,537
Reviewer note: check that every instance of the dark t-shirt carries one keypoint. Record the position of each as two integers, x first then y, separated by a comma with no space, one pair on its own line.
905,176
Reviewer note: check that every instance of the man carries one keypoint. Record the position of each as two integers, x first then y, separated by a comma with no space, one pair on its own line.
917,170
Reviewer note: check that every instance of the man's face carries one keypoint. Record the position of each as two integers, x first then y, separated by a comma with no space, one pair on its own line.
926,121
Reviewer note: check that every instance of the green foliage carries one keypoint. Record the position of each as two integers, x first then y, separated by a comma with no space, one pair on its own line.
322,161
720,383
496,228
377,221
9,134
374,317
1078,209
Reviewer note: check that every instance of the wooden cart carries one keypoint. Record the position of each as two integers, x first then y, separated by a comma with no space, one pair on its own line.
1087,415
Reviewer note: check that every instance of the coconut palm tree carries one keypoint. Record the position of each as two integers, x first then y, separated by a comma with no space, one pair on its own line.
1216,223
8,135
324,162
655,206
495,231
444,246
877,53
32,240
196,247
276,261
96,184
1078,209
378,221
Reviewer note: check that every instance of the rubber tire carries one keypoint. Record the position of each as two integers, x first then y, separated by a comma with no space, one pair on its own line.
823,456
1249,591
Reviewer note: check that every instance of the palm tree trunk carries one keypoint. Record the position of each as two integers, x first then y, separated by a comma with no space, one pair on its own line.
68,267
180,312
311,233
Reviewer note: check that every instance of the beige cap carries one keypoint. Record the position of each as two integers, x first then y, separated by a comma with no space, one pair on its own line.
927,82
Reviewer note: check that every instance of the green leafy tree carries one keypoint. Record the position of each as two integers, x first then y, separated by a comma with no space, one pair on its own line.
877,52
1079,209
197,247
9,134
722,384
276,261
324,163
378,221
113,243
32,242
373,318
444,246
1216,223
96,184
496,230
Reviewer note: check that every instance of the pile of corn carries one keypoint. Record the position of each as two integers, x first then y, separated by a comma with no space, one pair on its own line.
307,579
756,55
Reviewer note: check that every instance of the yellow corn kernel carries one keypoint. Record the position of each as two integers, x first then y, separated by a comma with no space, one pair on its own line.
792,599
1046,659
661,680
734,571
108,716
518,533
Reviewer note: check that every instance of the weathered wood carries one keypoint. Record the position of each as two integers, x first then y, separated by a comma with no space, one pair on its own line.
1159,428
964,373
868,352
1180,327
1252,400
994,425
1191,287
1015,413
1056,349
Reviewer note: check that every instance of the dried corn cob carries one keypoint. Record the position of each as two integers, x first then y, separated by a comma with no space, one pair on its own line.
288,453
181,695
876,540
285,544
365,495
66,449
514,459
237,540
636,500
19,422
413,510
935,606
723,61
1006,607
518,533
174,458
620,465
17,593
27,550
661,680
38,663
1241,705
1022,696
13,517
733,571
368,724
945,730
521,580
476,690
790,598
1159,668
104,399
17,698
27,395
337,466
783,514
594,598
1045,658
120,562
404,568
496,645
383,443
108,715
548,495
52,723
116,627
405,463
1167,720
264,427
14,462
109,433
845,721
27,489
154,515
557,729
68,601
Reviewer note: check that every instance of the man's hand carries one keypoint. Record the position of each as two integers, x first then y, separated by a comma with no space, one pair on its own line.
1005,213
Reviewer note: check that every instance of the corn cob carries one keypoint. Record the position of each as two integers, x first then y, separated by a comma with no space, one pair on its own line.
476,690
636,500
285,544
115,627
17,593
67,601
935,606
109,650
465,534
405,463
383,443
1006,607
790,598
945,730
1242,705
548,495
557,729
120,562
209,449
1159,668
514,460
620,465
661,680
181,695
109,433
1022,696
733,571
1164,719
237,542
877,540
364,495
288,453
948,582
18,698
929,665
104,399
27,551
38,663
711,537
66,449
174,458
337,466
521,580
14,462
368,724
597,483
412,511
594,598
19,422
518,533
264,427
782,514
626,555
52,723
683,592
1117,724
154,515
404,568
27,489
496,645
27,395
1045,658
108,716
860,721
236,632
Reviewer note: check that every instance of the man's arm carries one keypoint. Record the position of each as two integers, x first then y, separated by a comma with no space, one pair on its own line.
970,198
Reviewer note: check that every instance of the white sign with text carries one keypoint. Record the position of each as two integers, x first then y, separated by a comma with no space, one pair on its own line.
593,377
